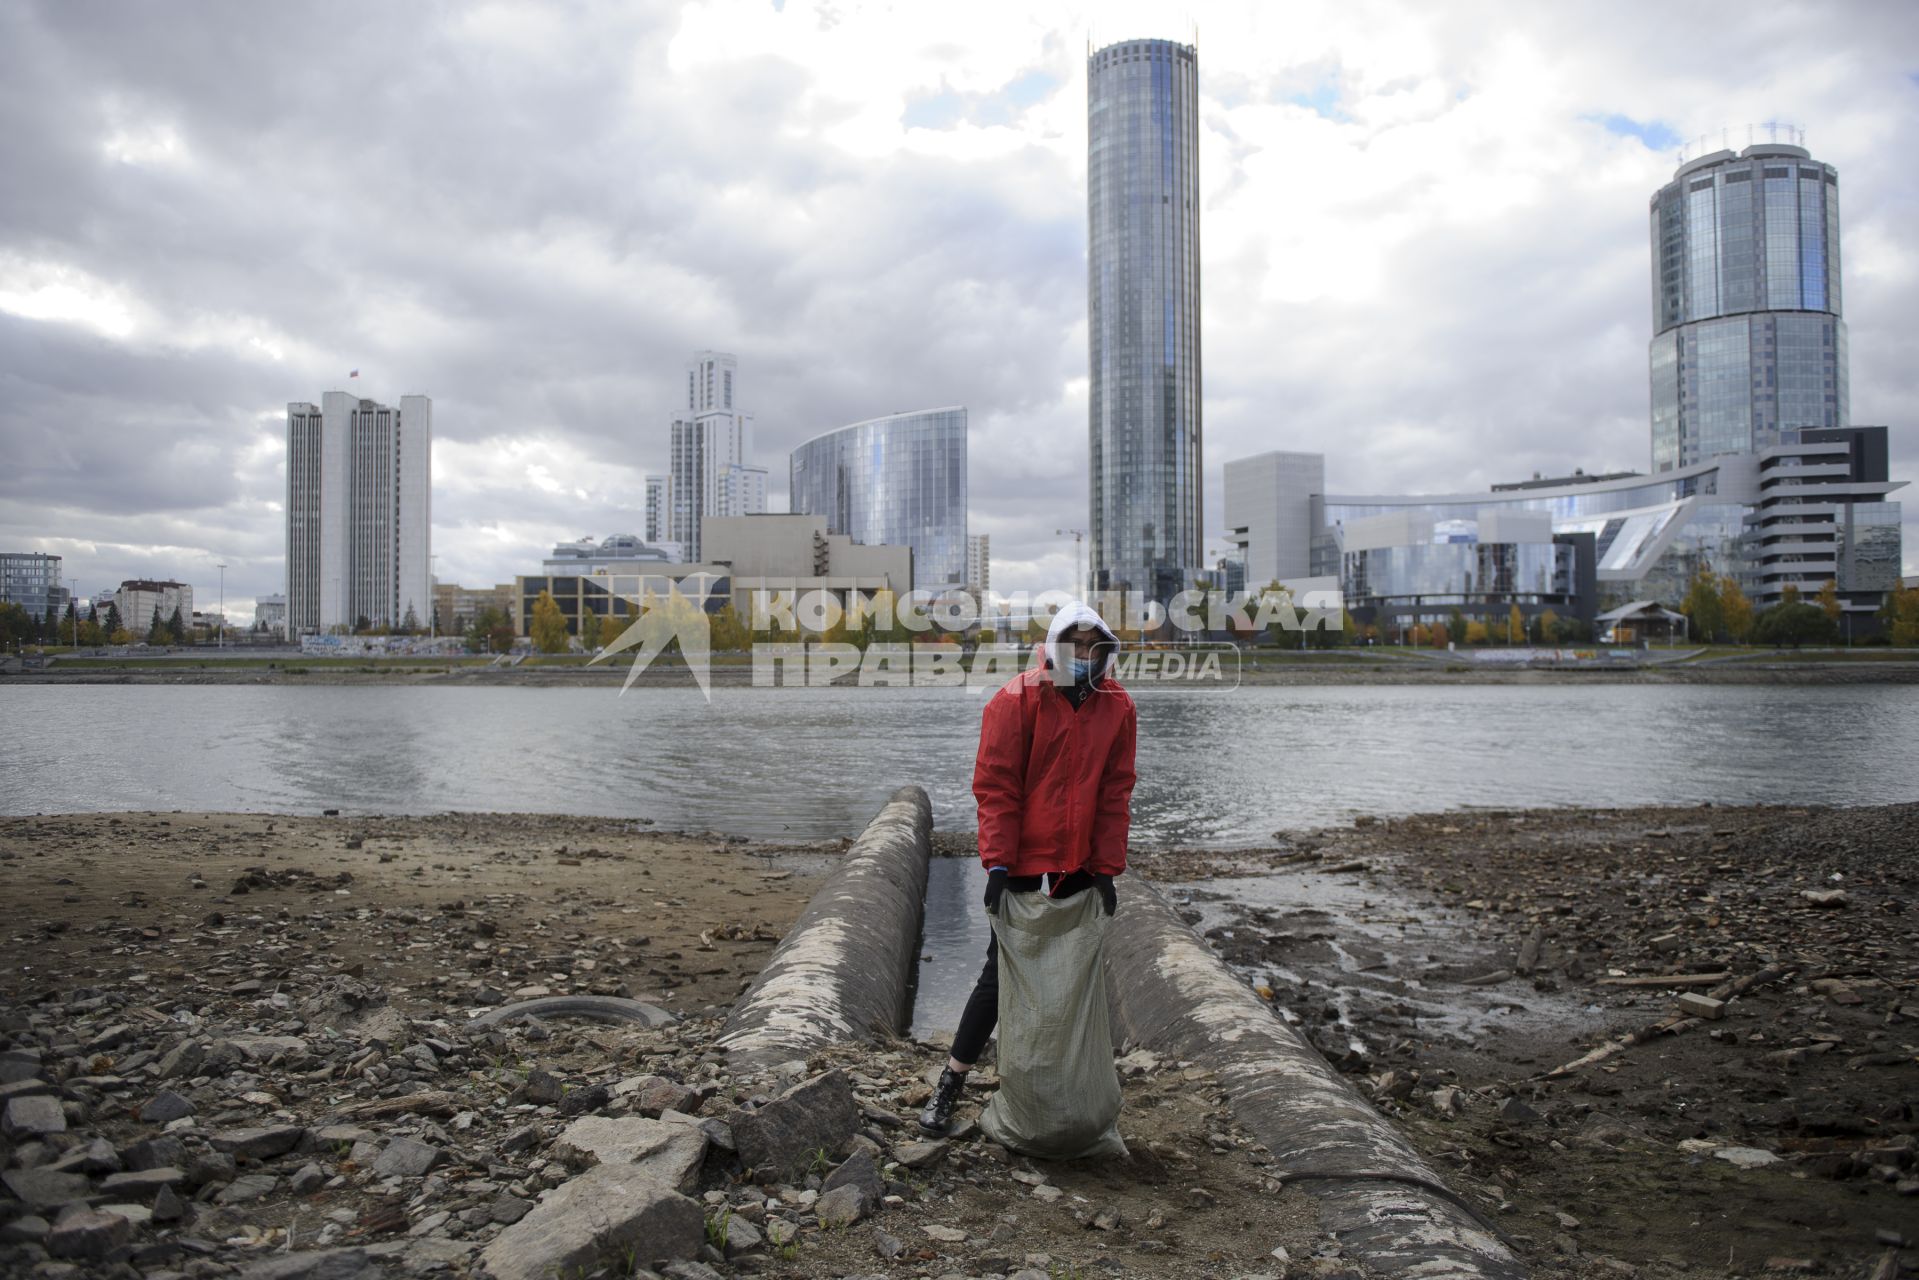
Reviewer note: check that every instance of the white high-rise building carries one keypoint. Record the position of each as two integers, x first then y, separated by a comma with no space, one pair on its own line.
711,438
654,525
979,562
359,513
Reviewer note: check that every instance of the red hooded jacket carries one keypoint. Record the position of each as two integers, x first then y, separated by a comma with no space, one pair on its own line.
1055,784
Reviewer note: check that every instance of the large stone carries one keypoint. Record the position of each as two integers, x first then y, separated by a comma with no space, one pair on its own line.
33,1117
19,1064
789,1133
87,1235
918,1155
842,1206
96,1156
594,1219
141,1183
669,1154
259,1143
863,1176
165,1151
741,1237
247,1188
266,1048
183,1059
45,1189
318,1264
165,1107
407,1158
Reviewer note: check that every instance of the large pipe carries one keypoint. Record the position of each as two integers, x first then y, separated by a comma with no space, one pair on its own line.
845,969
1172,995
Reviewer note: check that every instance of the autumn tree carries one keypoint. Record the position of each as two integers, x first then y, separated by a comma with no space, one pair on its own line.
157,629
1548,623
1900,616
1515,626
1828,600
1735,610
591,628
549,625
1703,617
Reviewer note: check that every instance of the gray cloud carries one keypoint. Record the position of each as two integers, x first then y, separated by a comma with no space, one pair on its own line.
534,215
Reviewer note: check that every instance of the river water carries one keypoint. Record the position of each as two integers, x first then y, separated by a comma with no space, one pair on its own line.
1215,767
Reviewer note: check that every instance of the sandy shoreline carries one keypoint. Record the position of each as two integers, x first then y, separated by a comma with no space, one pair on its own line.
1397,946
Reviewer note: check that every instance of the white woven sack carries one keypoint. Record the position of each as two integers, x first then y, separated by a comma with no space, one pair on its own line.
1058,1094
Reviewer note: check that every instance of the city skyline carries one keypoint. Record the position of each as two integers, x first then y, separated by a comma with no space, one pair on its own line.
1424,252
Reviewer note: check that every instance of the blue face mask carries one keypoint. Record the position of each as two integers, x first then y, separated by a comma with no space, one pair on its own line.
1081,668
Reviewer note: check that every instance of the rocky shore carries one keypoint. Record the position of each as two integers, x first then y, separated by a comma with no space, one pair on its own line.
1685,1039
258,1046
240,1045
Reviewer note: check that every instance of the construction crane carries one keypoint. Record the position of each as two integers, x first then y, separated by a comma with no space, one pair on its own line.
1079,574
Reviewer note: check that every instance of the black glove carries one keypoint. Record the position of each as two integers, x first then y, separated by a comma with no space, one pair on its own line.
1108,896
995,886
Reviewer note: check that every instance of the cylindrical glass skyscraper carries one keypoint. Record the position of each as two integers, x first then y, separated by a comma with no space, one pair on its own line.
895,481
1142,214
1749,337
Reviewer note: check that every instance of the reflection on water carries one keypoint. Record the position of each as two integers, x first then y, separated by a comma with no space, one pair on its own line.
952,943
1214,767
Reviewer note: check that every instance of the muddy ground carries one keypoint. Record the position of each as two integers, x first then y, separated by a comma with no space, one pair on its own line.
280,944
1457,965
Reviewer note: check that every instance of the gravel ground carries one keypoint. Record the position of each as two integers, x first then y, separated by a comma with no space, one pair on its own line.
1686,1039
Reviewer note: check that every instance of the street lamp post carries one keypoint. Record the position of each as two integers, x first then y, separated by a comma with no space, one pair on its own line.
221,643
433,601
73,604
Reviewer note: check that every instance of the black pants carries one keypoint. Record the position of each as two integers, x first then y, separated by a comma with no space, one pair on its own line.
981,1014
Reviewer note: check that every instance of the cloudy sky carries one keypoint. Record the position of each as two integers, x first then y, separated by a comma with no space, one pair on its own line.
1424,230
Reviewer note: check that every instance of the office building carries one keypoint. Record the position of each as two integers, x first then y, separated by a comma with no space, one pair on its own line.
899,480
139,599
711,443
1268,514
358,514
457,608
270,614
781,556
1815,506
1143,313
31,580
1749,333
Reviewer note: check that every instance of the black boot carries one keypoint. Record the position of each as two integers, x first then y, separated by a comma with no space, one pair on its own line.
946,1095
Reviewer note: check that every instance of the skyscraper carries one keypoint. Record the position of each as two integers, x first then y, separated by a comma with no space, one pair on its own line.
893,481
654,526
1749,337
358,513
710,438
1142,207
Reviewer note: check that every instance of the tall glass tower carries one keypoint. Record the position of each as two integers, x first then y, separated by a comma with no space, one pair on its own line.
1749,338
1142,215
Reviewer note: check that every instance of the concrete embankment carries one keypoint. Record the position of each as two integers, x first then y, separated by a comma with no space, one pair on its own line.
845,969
1173,996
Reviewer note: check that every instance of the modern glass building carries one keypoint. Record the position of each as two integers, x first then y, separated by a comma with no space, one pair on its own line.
1749,336
896,481
1142,214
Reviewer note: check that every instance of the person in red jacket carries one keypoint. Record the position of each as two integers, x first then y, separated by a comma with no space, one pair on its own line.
1054,783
